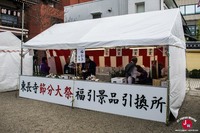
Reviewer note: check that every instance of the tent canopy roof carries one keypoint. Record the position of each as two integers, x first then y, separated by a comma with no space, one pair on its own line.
142,29
8,41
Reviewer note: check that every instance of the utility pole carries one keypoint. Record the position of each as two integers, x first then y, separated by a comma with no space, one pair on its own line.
22,37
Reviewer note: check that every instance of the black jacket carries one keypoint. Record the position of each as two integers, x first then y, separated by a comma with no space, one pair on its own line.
92,68
129,68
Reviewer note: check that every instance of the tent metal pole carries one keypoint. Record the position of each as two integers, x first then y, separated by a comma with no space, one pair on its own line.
73,99
168,88
22,38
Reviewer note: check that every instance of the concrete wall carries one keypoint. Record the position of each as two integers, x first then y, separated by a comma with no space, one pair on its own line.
186,2
150,5
82,11
106,7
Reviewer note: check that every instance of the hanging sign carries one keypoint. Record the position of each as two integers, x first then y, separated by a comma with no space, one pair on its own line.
135,52
106,52
118,52
150,52
80,55
165,50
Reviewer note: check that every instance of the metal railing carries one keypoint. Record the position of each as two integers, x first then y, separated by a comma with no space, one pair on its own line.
193,84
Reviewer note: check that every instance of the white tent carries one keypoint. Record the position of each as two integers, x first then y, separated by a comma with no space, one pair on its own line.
158,28
151,28
10,49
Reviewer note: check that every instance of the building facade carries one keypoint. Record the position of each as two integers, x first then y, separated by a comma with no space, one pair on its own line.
106,8
190,10
11,17
38,16
41,17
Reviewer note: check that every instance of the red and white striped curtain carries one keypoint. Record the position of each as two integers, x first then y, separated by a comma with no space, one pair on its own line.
57,58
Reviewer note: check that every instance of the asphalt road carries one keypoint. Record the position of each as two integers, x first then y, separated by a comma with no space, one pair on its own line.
20,115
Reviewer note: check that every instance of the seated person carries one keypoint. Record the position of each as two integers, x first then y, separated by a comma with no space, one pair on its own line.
164,72
131,79
69,68
130,71
160,67
44,68
142,76
135,73
88,68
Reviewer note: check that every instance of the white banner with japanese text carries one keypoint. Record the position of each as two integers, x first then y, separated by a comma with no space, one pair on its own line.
145,102
80,55
47,89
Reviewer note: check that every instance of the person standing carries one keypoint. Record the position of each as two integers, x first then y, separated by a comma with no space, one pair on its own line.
88,68
35,65
44,68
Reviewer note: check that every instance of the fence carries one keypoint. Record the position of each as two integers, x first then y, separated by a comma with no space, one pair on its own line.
193,84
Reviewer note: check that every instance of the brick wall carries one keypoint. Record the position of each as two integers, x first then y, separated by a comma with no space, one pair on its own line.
40,17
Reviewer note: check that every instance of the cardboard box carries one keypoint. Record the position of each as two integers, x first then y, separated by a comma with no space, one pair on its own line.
156,82
160,82
164,84
120,80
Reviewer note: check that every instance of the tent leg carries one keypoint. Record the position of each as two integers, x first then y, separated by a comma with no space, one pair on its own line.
17,94
22,38
168,89
73,99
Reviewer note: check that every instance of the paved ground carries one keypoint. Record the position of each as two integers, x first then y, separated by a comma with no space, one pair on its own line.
20,115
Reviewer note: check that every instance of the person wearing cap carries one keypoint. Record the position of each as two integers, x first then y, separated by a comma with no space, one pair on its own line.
88,68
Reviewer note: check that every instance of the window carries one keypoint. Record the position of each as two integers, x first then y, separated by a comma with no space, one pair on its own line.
140,7
197,9
182,9
96,15
193,29
8,20
190,9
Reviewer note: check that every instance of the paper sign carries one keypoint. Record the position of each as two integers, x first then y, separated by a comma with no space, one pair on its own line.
81,55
